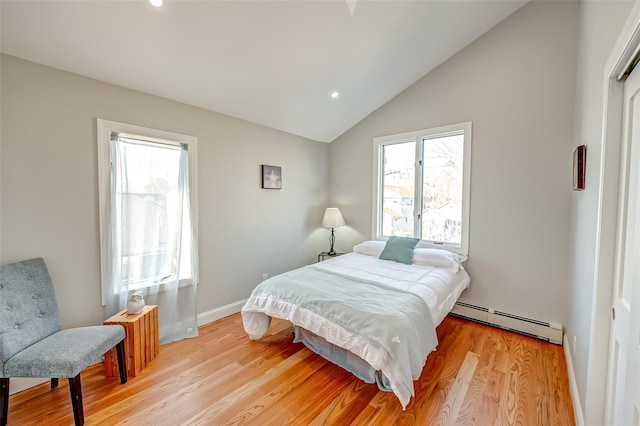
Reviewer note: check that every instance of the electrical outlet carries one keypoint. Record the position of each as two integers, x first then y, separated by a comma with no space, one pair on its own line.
265,276
574,345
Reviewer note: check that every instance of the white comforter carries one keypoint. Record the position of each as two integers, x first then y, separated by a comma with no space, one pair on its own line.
437,287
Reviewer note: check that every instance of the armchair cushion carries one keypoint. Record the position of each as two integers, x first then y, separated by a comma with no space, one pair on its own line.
64,354
28,308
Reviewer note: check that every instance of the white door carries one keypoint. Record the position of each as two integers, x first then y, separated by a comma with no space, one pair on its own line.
624,356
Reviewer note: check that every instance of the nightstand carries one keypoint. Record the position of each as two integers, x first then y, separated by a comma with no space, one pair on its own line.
141,340
325,254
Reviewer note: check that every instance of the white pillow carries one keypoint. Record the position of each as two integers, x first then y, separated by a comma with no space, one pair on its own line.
438,257
421,256
370,248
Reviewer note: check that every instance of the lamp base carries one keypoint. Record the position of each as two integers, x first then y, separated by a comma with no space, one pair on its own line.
332,239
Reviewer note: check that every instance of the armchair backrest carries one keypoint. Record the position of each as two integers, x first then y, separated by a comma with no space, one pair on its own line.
28,308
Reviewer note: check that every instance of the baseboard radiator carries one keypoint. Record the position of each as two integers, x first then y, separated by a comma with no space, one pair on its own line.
549,331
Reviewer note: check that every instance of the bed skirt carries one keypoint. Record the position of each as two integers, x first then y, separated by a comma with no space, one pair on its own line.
342,358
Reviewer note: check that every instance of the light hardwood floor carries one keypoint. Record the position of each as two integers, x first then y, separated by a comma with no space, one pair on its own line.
479,375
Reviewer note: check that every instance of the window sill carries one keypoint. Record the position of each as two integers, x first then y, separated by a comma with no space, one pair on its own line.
162,287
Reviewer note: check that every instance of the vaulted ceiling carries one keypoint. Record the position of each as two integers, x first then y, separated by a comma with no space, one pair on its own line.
275,63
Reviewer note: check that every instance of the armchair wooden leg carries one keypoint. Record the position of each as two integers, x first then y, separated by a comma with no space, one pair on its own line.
4,400
54,382
122,362
75,388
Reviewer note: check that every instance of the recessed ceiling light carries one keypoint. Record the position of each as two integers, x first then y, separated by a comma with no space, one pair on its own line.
335,95
156,3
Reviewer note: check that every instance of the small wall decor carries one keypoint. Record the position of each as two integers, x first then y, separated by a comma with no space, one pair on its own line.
579,166
271,177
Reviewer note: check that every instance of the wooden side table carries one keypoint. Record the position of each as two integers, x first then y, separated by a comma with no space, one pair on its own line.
140,341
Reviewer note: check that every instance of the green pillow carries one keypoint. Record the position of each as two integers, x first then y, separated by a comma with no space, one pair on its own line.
399,249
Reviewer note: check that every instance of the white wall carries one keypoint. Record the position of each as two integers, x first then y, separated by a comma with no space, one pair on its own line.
600,23
49,199
517,85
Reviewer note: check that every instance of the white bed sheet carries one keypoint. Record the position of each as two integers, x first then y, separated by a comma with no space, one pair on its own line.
439,287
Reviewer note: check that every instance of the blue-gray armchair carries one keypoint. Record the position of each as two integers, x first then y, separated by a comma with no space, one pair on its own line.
31,342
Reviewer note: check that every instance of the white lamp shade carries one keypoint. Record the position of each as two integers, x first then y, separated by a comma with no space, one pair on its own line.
332,218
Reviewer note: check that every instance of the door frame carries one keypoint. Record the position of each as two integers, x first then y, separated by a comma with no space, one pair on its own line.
597,399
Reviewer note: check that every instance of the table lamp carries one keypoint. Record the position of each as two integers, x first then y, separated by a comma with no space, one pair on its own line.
332,219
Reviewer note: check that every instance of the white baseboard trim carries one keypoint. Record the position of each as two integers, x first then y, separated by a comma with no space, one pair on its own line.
221,312
19,384
573,385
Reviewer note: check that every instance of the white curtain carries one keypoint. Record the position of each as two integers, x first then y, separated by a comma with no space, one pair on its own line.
151,244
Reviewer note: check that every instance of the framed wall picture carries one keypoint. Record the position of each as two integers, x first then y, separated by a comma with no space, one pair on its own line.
579,166
271,177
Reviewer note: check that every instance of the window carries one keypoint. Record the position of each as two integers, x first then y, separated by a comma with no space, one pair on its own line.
421,186
147,209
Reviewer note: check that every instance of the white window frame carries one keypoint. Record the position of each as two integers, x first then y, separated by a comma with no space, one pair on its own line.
417,137
104,129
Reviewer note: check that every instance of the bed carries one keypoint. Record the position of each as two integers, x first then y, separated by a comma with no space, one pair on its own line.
374,317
